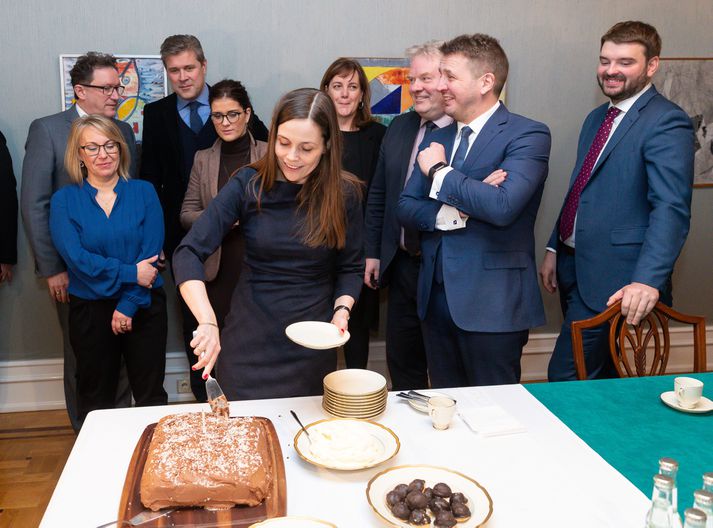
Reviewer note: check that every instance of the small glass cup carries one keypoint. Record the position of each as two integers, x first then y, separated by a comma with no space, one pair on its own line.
441,410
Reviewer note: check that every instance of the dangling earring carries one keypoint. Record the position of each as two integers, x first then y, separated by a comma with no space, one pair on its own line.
361,105
81,164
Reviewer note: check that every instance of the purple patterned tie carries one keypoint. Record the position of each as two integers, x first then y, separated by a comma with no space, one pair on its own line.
570,206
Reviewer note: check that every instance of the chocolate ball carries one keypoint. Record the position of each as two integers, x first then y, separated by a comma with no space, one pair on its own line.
444,519
402,490
392,498
460,511
416,499
459,497
438,503
428,492
400,510
442,490
419,517
416,485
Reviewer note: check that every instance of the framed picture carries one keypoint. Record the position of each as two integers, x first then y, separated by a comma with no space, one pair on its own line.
144,80
388,81
688,82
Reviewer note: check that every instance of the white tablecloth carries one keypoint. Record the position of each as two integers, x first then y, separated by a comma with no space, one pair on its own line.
545,477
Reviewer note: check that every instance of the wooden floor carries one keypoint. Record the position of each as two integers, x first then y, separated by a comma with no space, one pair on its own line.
34,447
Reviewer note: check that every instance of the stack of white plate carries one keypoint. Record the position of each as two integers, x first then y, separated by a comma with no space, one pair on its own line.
354,393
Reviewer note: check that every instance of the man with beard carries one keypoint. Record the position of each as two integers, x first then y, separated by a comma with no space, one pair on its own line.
627,212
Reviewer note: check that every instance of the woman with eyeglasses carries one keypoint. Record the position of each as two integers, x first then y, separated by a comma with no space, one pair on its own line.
302,221
212,168
109,231
346,84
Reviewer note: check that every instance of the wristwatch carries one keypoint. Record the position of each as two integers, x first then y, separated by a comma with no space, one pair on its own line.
436,167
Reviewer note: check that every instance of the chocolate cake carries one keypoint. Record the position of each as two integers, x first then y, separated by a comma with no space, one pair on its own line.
199,459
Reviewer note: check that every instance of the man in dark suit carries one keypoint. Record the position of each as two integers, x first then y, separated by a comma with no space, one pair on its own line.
477,293
97,90
175,128
629,203
393,255
8,210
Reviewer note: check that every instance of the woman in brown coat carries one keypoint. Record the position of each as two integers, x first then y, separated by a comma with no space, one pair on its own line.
212,168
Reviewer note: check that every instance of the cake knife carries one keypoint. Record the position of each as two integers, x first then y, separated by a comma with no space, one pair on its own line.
140,518
217,400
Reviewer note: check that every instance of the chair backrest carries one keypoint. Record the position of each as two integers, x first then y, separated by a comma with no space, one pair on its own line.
629,345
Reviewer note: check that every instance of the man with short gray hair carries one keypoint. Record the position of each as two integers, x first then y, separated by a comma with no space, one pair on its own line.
97,90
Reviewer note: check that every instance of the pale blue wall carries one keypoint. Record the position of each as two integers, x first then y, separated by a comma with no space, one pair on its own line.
274,46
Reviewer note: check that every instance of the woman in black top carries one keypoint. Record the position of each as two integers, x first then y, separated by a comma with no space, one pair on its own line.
346,84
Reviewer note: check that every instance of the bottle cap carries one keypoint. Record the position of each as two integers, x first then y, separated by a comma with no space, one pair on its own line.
663,482
703,497
668,464
694,514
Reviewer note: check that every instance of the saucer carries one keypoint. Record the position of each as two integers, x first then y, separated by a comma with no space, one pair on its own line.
704,405
317,335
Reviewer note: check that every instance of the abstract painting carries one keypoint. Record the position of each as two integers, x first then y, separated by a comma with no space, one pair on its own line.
688,82
144,81
388,81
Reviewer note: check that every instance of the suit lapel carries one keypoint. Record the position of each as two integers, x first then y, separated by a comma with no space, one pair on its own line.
629,119
171,117
492,128
213,168
406,147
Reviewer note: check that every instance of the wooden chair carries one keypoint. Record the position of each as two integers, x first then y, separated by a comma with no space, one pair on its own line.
632,360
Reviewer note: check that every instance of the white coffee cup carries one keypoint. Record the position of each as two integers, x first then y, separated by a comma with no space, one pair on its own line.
689,391
441,410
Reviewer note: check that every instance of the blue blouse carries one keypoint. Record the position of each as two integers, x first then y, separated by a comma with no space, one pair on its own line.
101,252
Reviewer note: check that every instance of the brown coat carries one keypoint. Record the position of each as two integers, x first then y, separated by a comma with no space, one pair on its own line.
203,187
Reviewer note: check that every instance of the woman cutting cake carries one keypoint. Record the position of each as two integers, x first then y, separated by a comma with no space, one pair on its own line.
302,221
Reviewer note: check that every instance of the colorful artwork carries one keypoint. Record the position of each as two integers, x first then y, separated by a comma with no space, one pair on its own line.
388,81
144,80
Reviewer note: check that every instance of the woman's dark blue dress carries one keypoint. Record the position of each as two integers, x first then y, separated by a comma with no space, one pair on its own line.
283,281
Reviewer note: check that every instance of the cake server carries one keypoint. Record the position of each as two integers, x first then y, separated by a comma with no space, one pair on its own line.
212,389
140,518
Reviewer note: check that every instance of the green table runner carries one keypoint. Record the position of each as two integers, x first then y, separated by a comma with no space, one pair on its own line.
627,424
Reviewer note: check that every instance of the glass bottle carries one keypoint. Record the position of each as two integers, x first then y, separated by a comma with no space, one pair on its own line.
703,500
708,481
661,513
669,467
694,518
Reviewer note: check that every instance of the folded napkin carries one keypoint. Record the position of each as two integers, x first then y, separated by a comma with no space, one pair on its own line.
491,420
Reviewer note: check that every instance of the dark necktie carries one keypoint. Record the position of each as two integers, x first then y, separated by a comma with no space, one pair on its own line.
195,119
462,149
412,238
572,202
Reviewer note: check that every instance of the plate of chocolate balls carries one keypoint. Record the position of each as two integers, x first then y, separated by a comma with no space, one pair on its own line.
430,496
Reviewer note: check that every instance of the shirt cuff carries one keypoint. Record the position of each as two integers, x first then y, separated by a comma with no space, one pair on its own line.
448,219
128,274
127,307
438,182
551,250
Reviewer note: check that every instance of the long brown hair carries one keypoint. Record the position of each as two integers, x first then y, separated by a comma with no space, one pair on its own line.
323,195
345,66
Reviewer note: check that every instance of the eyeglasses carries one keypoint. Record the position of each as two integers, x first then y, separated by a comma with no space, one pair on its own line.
107,90
92,149
230,116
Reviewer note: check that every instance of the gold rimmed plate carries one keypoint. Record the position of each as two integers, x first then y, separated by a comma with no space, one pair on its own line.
479,501
346,444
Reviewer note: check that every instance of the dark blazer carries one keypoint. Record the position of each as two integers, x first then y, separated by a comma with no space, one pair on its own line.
383,229
43,173
203,187
634,213
161,160
489,271
8,207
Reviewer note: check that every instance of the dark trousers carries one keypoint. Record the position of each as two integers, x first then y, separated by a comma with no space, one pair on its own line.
189,324
123,392
363,317
99,352
459,358
405,351
596,340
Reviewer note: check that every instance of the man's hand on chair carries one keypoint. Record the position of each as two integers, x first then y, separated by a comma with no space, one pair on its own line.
637,300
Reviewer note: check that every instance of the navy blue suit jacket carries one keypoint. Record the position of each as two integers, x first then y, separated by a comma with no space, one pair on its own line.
489,271
383,229
634,213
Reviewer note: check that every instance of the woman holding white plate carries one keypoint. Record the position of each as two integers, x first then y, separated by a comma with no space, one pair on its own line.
302,221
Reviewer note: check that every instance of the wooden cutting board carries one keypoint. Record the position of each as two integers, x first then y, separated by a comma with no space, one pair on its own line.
275,505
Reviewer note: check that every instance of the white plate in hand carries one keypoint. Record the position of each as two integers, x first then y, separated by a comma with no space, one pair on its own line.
317,335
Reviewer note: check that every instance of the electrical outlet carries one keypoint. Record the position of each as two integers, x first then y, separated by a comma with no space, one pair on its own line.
183,386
